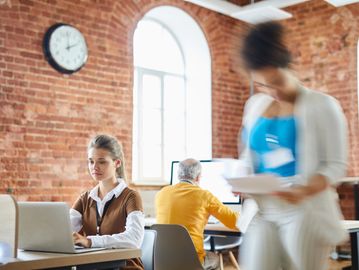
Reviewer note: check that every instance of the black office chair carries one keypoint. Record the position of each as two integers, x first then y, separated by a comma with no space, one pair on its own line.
148,249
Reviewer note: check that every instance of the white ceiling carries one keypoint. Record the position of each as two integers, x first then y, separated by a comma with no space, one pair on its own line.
261,14
338,3
266,10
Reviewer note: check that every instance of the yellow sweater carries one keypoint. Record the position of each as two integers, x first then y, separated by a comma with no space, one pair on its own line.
191,206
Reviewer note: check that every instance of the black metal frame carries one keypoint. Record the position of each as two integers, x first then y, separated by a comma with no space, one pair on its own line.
354,239
354,244
94,266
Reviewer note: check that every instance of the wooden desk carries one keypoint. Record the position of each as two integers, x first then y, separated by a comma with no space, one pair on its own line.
220,229
41,260
210,229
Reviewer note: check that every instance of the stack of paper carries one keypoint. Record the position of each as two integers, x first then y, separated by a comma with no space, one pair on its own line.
255,184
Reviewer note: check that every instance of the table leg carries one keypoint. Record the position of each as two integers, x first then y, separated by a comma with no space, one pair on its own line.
211,241
356,200
354,236
355,252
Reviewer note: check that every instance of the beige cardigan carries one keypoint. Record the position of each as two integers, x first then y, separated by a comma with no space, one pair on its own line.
321,147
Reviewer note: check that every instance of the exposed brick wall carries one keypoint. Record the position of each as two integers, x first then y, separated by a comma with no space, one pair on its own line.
323,40
47,118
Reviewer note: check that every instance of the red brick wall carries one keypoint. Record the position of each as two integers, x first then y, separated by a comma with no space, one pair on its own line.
323,40
47,118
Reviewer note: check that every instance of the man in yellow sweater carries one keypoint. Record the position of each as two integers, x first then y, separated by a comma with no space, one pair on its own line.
189,205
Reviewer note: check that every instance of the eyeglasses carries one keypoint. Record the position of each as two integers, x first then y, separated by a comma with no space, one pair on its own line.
258,84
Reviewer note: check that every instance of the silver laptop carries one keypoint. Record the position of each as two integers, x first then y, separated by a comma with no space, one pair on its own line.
46,226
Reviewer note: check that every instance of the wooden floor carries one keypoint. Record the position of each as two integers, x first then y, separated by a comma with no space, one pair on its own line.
338,265
333,265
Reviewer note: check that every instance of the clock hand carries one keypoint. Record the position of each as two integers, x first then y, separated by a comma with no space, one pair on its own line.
74,45
68,41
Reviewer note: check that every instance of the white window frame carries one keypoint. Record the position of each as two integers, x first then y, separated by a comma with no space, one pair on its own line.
160,74
197,78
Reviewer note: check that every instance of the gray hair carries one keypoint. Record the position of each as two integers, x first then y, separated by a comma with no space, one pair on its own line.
189,169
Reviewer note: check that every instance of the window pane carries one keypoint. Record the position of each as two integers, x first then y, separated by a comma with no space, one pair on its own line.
135,148
174,128
151,88
174,121
155,48
172,152
135,89
152,161
135,155
174,94
151,126
135,108
172,60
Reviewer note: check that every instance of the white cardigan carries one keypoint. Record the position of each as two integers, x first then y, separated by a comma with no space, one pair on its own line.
321,149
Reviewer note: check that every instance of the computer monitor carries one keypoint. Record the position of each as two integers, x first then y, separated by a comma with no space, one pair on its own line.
212,179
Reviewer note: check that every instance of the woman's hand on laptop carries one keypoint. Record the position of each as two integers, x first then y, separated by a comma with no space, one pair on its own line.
81,240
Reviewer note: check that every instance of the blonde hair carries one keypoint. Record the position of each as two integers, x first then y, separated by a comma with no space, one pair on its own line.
114,147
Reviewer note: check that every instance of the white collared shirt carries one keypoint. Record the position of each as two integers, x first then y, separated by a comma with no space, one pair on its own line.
132,237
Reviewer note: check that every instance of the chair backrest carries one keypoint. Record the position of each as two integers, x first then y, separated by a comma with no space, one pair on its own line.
9,223
148,249
174,248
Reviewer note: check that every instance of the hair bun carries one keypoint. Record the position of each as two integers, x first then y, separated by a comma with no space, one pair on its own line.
264,47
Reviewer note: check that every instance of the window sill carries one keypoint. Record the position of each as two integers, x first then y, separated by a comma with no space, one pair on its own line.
149,184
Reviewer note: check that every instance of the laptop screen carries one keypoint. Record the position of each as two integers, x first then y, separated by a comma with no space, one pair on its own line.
212,179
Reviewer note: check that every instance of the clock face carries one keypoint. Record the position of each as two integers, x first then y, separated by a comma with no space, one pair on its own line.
65,48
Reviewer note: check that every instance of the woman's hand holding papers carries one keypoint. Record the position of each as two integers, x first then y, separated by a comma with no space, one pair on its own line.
296,194
293,195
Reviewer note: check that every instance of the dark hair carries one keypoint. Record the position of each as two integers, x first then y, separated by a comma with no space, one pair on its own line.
263,47
112,145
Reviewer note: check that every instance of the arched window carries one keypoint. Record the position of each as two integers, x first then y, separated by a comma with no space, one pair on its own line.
172,102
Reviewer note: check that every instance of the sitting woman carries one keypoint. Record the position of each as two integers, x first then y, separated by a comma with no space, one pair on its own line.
110,215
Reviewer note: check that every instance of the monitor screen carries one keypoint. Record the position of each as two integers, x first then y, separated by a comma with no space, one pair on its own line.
212,179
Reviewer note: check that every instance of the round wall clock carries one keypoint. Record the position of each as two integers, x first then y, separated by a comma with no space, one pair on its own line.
65,48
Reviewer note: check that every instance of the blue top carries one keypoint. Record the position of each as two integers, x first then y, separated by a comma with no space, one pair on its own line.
273,140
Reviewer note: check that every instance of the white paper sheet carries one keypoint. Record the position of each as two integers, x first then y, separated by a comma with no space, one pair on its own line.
256,184
278,157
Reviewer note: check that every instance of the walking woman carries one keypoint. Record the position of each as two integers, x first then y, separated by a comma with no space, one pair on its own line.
110,215
299,135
